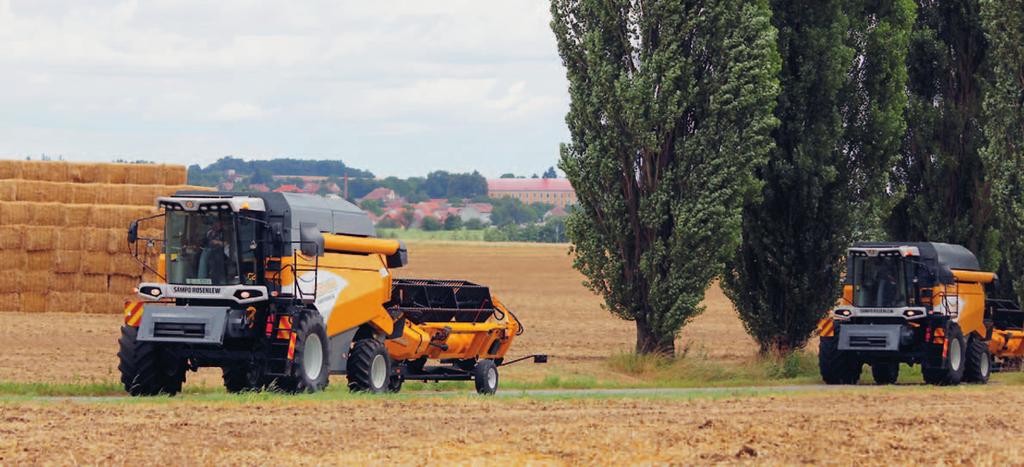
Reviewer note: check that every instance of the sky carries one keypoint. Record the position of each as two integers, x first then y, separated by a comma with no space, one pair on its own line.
395,87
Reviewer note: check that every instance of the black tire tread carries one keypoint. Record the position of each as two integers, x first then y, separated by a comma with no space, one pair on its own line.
837,367
946,376
977,350
885,373
480,377
360,359
142,367
306,322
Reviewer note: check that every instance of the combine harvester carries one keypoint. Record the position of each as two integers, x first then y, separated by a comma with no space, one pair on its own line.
281,290
918,303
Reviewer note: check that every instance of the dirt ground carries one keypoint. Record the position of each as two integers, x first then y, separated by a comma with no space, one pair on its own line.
868,425
562,319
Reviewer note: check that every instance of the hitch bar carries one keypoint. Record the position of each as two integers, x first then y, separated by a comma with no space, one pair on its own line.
537,358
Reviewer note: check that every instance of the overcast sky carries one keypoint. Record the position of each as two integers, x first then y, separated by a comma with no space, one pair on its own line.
396,87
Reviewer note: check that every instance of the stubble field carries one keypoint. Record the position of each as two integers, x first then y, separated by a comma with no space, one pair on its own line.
855,425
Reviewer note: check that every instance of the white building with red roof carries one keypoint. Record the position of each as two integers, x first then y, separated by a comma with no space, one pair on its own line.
556,191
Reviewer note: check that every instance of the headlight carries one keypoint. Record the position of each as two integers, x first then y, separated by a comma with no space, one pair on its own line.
151,291
911,314
842,313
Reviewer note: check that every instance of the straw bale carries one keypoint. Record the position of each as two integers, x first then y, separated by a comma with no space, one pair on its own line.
54,171
104,216
12,237
95,240
94,262
71,238
10,168
11,281
10,301
98,303
14,213
93,283
146,174
116,173
35,280
84,193
33,302
78,215
67,281
64,302
14,259
117,241
67,261
122,285
47,214
35,190
125,264
8,190
175,175
39,238
42,259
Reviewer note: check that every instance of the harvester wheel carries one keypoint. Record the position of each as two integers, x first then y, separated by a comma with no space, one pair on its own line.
485,376
837,367
146,369
979,361
885,372
952,372
369,367
310,367
243,377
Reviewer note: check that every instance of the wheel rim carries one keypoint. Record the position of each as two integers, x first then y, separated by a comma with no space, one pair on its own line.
378,371
984,366
312,357
954,354
492,378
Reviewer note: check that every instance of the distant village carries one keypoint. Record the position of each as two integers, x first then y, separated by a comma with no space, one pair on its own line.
507,201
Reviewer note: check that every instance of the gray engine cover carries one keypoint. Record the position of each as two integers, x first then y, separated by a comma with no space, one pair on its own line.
183,324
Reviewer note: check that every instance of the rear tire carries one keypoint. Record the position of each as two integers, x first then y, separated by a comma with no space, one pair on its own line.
310,365
244,377
485,376
146,368
952,371
369,367
837,367
885,373
979,361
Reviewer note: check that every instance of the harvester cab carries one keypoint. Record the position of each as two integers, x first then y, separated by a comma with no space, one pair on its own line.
917,303
282,290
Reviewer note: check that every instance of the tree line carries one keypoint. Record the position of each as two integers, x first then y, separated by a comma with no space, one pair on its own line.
753,141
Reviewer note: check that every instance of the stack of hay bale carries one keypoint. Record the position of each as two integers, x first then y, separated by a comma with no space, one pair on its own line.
63,232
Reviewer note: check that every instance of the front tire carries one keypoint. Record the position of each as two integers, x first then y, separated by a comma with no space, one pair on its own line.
243,377
979,361
485,376
885,373
369,367
837,367
146,368
952,370
310,365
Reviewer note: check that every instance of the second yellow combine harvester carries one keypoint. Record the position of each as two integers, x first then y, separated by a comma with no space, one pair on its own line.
282,290
920,304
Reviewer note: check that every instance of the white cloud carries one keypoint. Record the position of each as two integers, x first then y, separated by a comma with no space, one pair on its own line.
384,85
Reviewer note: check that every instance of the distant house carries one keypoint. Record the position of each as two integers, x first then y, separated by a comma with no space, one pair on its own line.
556,191
287,189
556,211
381,194
478,211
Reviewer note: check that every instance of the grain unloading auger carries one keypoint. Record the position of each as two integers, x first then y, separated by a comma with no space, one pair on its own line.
281,290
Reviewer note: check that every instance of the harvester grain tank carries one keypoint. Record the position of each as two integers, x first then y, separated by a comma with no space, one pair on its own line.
919,304
282,290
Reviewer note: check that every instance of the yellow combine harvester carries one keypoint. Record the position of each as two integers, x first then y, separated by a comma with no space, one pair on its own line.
918,303
281,290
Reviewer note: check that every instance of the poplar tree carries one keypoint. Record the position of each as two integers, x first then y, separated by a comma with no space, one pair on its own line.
826,183
670,113
1003,22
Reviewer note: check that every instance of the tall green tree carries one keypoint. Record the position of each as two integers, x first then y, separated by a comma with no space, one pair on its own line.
1004,128
940,167
826,181
671,111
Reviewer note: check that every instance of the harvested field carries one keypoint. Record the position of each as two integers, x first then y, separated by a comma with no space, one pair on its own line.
879,427
537,281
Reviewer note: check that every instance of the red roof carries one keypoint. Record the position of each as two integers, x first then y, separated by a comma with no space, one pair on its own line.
380,193
287,189
529,184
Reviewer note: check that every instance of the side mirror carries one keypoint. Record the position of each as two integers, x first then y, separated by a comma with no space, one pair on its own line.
133,232
312,241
